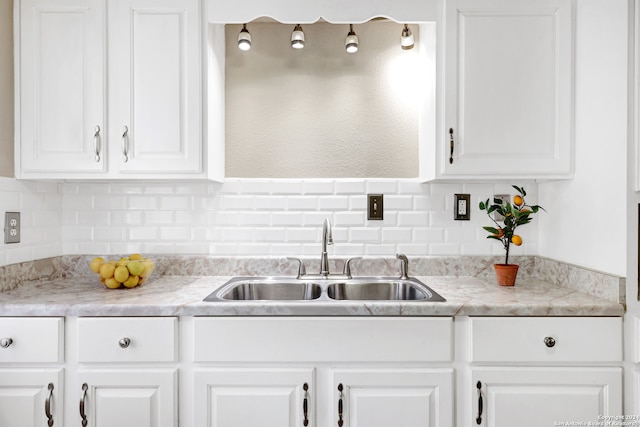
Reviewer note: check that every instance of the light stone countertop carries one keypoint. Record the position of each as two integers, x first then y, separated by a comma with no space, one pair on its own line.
183,295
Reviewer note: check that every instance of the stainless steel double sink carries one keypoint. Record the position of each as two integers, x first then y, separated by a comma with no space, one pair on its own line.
301,289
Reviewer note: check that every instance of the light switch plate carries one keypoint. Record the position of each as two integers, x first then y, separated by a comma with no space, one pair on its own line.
375,207
462,207
12,227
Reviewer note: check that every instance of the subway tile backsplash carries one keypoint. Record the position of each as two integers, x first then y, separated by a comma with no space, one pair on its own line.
259,217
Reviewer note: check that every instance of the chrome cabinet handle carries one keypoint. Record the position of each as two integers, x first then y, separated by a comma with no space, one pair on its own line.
305,405
451,144
96,143
124,342
549,342
479,417
47,405
340,398
125,144
6,342
83,402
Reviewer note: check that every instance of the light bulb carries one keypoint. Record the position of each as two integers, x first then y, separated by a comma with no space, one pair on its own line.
351,42
297,38
244,39
406,39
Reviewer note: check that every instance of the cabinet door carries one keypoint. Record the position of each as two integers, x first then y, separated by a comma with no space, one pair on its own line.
393,397
155,86
30,397
61,87
534,397
508,89
129,398
254,397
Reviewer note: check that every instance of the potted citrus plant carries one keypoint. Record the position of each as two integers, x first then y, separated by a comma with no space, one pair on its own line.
516,214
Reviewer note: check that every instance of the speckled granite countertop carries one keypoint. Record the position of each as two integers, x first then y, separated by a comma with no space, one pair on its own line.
183,295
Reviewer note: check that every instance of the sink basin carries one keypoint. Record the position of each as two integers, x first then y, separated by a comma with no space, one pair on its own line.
382,290
266,289
323,289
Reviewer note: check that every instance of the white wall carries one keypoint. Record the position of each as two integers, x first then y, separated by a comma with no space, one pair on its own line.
6,88
586,220
321,112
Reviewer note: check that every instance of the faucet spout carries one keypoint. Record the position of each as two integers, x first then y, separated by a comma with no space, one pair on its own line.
327,239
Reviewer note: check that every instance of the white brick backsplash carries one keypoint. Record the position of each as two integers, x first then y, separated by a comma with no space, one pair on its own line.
249,217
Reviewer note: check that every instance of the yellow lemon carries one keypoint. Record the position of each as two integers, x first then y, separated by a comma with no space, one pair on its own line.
106,270
135,268
517,200
516,240
148,268
131,282
121,273
95,264
136,257
111,283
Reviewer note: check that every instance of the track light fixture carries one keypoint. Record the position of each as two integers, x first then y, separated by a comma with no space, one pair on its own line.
244,39
351,43
406,39
297,37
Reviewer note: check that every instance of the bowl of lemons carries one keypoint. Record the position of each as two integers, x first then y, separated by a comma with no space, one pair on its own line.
127,272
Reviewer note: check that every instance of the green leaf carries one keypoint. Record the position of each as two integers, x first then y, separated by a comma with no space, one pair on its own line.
491,230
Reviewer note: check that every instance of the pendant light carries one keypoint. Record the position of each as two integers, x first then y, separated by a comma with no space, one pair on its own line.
297,38
406,39
244,39
351,43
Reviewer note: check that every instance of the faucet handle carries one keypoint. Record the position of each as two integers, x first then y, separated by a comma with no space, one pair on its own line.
404,266
347,266
301,268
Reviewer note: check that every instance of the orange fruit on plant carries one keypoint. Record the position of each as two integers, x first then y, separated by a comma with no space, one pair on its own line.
500,233
518,201
516,240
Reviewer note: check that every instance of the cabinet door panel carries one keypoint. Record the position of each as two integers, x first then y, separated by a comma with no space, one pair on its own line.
155,78
61,86
509,87
131,398
387,397
253,397
533,397
23,394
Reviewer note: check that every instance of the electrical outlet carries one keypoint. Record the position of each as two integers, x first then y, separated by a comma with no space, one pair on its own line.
502,198
375,207
12,227
462,207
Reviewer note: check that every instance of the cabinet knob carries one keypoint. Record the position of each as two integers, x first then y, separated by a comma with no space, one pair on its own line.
549,341
6,342
124,342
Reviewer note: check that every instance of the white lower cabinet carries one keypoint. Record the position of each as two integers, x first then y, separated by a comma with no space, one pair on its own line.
351,372
31,373
533,371
534,397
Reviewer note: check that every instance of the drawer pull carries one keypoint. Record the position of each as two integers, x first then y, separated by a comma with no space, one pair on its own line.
341,396
6,342
47,406
549,341
125,144
96,143
451,144
480,403
124,342
305,404
83,402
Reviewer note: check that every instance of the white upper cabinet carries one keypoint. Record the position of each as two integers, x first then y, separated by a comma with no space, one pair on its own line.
507,109
60,87
148,124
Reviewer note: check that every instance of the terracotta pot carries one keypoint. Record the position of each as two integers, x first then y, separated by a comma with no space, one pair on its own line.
506,274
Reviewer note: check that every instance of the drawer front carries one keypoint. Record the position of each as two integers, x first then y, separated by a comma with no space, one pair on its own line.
127,339
31,340
322,339
546,339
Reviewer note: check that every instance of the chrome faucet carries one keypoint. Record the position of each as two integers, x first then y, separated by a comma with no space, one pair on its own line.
327,239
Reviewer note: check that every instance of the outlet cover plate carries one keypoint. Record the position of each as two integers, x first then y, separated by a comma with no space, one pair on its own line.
12,227
462,207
